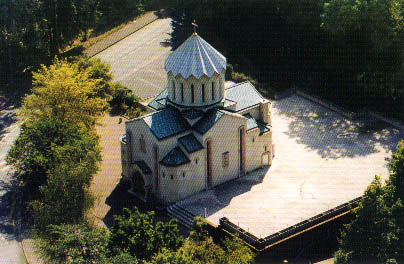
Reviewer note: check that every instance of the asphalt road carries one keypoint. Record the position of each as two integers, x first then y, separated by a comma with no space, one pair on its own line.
138,60
10,248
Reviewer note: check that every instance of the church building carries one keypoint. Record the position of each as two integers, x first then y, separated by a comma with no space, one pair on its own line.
199,133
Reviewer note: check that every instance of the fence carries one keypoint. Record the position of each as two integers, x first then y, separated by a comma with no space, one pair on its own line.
260,244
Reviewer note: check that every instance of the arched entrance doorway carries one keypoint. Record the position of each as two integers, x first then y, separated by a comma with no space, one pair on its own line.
138,185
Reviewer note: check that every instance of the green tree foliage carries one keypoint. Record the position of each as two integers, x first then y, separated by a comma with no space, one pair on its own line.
65,199
43,145
135,233
200,248
380,21
112,13
97,70
376,234
348,51
62,91
80,243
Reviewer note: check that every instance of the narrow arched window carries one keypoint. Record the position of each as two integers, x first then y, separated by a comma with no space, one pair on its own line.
213,91
203,93
182,92
192,94
174,90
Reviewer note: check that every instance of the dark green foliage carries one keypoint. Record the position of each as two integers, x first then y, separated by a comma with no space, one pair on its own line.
97,70
43,145
349,52
135,233
75,244
376,234
66,198
114,12
125,102
199,247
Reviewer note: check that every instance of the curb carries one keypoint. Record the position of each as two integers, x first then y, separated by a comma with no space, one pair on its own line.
130,32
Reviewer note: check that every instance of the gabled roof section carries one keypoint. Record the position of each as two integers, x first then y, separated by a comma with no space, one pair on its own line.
190,143
166,123
211,118
195,57
143,166
192,113
252,124
159,102
208,121
174,158
244,94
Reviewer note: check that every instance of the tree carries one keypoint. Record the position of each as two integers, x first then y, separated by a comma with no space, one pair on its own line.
61,91
79,243
43,145
199,247
376,233
66,198
380,21
97,70
133,232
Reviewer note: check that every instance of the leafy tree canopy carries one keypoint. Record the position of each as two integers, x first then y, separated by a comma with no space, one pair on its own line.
62,91
79,243
381,21
66,198
46,143
376,234
135,233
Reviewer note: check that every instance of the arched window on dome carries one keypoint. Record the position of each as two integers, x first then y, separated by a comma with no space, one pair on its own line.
174,90
213,91
182,92
192,94
203,93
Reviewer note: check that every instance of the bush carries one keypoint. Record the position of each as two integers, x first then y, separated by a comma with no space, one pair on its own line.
80,243
238,77
125,102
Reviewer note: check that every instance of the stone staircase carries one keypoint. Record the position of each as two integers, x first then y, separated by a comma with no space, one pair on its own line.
183,216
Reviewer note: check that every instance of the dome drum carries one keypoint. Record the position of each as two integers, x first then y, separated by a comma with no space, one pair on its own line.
193,92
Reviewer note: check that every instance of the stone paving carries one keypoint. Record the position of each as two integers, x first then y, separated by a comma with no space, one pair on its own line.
322,161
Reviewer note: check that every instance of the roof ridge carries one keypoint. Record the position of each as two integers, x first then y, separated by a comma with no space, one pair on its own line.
237,84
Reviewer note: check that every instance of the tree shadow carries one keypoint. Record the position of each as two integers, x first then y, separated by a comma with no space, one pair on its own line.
181,29
219,197
331,135
10,210
7,118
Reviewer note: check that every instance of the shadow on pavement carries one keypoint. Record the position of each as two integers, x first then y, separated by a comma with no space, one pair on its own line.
331,135
220,196
7,118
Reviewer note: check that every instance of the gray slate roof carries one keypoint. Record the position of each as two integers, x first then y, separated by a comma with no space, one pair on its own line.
159,102
190,143
143,166
208,121
252,123
195,57
174,158
244,94
166,123
192,113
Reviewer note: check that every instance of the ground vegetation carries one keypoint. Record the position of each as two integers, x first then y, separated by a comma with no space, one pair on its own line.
377,231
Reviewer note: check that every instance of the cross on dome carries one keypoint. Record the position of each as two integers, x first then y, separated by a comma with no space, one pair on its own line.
195,26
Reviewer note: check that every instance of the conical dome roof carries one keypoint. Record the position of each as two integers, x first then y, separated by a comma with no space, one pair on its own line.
195,57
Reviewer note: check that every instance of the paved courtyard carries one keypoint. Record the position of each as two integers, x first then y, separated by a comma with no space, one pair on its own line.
138,60
322,161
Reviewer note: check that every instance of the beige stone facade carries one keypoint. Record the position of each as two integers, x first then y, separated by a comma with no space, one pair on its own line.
198,135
